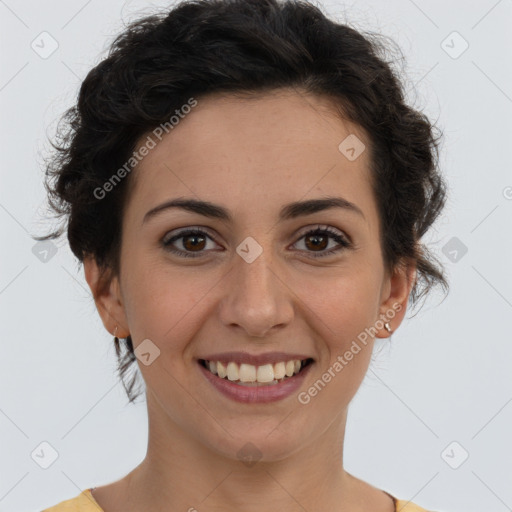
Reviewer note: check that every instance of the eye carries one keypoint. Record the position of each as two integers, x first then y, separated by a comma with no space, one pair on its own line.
193,240
319,239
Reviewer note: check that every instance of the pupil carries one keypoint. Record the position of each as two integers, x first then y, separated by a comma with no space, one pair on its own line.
316,242
194,244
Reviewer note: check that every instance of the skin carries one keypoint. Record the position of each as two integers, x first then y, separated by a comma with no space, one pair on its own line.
252,156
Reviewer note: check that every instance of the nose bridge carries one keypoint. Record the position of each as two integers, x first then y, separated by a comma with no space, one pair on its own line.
255,277
255,299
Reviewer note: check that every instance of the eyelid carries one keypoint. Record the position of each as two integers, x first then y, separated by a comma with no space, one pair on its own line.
343,240
182,231
300,233
324,227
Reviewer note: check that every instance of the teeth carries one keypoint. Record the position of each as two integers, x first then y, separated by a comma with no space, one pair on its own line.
232,371
248,373
279,370
221,370
265,373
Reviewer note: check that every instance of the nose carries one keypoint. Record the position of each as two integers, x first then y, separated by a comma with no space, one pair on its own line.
257,298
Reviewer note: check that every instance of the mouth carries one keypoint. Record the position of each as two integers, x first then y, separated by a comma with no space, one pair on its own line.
249,375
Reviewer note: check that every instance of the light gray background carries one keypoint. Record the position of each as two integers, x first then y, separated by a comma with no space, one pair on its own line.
445,376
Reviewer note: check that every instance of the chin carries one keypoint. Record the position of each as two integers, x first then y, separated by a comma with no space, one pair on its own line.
256,444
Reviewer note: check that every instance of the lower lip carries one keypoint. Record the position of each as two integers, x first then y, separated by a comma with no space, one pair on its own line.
256,394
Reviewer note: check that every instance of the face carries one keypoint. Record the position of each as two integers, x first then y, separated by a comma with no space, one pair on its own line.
257,283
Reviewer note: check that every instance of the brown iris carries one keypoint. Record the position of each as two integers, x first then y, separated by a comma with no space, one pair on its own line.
316,244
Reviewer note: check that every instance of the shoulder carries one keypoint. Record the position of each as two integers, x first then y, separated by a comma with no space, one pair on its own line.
84,502
407,506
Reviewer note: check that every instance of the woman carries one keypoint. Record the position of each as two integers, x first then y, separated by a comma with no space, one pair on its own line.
247,191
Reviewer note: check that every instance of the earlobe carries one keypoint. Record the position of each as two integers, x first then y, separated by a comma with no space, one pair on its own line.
394,306
107,297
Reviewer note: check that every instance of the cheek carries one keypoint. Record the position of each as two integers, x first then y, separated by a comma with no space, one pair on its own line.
163,303
344,303
340,315
168,304
342,310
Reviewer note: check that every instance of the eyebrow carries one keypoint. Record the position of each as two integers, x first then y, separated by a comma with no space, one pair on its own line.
287,212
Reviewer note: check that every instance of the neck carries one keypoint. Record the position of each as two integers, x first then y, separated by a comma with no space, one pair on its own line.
180,473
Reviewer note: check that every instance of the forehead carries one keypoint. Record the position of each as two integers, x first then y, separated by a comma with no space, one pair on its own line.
254,152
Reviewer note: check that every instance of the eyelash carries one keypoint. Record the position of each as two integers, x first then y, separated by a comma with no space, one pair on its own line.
344,243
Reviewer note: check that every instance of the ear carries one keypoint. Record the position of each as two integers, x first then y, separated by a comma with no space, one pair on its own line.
107,296
395,296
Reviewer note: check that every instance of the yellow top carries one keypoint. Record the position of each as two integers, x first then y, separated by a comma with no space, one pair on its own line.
85,502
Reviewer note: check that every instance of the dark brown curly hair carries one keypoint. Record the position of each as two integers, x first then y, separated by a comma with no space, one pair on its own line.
241,46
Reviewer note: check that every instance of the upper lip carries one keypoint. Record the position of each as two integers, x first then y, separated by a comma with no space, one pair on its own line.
254,359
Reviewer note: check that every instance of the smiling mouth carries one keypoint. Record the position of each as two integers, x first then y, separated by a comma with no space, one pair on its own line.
250,375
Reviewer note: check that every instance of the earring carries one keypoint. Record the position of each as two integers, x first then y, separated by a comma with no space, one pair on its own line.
116,339
388,327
